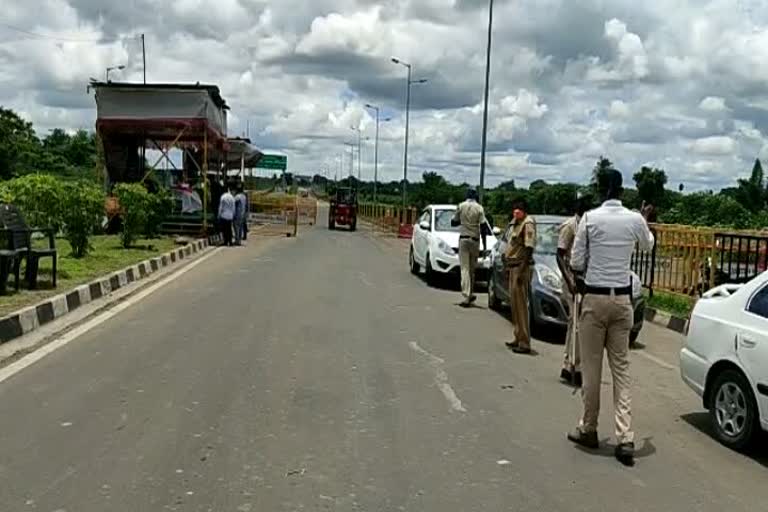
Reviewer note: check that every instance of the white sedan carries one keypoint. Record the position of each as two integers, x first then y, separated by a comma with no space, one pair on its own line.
725,359
435,245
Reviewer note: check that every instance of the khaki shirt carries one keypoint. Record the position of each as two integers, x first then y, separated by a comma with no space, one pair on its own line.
567,236
522,237
471,217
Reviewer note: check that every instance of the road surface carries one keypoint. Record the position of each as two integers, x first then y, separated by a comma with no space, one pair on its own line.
317,374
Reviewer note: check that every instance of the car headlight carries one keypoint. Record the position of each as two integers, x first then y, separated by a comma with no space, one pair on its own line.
637,286
444,247
549,278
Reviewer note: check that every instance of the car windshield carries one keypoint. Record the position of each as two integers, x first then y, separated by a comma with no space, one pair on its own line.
443,221
547,236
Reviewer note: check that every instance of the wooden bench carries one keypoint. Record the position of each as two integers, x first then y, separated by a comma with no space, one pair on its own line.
19,241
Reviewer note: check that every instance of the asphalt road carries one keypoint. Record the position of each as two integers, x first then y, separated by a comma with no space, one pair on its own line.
318,374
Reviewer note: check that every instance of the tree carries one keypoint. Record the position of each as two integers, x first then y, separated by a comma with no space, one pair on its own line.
650,185
18,144
751,193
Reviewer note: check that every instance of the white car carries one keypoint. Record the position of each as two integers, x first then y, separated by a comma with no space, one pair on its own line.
725,359
435,245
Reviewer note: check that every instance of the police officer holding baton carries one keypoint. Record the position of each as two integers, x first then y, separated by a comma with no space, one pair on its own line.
605,241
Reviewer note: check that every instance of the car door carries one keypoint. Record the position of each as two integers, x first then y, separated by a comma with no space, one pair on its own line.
421,236
752,344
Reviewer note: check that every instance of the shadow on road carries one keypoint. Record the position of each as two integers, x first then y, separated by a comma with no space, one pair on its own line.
701,422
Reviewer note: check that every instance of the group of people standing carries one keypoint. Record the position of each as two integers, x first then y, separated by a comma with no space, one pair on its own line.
233,215
594,253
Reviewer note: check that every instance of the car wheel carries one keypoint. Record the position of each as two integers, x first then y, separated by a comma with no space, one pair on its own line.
331,224
412,263
733,410
494,302
431,275
353,226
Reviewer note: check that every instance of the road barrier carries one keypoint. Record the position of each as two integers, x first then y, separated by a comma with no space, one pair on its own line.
394,220
280,214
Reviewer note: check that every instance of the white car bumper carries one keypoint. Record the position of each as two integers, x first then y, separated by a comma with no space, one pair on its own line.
693,370
446,264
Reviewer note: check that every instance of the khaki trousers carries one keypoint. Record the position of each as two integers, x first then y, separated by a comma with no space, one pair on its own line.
469,251
604,327
572,360
519,286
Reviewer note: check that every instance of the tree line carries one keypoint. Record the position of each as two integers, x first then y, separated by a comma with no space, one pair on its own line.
77,156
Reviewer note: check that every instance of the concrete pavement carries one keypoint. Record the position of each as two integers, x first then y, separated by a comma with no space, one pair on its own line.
317,374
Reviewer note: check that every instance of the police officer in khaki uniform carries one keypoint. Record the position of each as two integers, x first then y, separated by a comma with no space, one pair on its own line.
470,216
571,371
518,258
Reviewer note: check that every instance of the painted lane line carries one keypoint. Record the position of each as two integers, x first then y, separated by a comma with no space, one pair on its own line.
656,360
441,378
30,359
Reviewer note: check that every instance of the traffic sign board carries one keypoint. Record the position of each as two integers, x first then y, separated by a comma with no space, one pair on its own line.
273,162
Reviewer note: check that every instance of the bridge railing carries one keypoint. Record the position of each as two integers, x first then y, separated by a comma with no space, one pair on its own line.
690,260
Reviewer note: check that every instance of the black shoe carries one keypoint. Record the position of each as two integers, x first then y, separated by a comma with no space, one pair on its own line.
625,453
585,439
465,304
566,375
576,379
472,299
517,349
511,345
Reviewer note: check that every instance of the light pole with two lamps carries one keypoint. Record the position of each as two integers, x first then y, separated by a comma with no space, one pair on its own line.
407,121
376,148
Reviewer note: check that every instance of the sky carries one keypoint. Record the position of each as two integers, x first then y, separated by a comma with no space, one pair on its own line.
676,84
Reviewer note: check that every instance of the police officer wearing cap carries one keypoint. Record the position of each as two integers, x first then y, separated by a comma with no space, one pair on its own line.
605,240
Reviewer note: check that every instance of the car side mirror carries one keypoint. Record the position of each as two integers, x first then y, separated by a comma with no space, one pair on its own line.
424,225
496,231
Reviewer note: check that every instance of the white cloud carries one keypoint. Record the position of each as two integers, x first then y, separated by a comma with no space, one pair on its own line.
714,146
713,104
619,110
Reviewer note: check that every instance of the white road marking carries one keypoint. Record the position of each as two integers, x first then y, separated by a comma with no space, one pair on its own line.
30,359
441,378
656,360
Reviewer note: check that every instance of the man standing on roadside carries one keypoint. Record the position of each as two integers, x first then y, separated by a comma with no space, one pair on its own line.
605,240
518,259
226,215
241,212
571,372
470,216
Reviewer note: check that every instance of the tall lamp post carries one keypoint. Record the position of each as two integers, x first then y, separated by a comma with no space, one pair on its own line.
376,149
351,146
485,107
407,122
359,151
113,68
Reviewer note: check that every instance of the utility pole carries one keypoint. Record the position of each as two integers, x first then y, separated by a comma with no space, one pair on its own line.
485,108
144,57
376,150
407,123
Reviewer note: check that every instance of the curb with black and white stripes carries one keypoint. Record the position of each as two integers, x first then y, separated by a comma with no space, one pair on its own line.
27,320
671,322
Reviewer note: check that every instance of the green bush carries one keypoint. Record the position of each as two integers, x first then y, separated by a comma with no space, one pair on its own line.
83,211
160,207
135,205
39,197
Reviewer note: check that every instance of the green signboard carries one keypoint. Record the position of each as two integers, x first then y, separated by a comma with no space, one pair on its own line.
279,162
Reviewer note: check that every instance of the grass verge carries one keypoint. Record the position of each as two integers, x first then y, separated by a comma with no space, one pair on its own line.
674,304
106,256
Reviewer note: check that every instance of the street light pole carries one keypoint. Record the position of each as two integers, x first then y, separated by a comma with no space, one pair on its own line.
407,123
359,151
376,150
485,107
